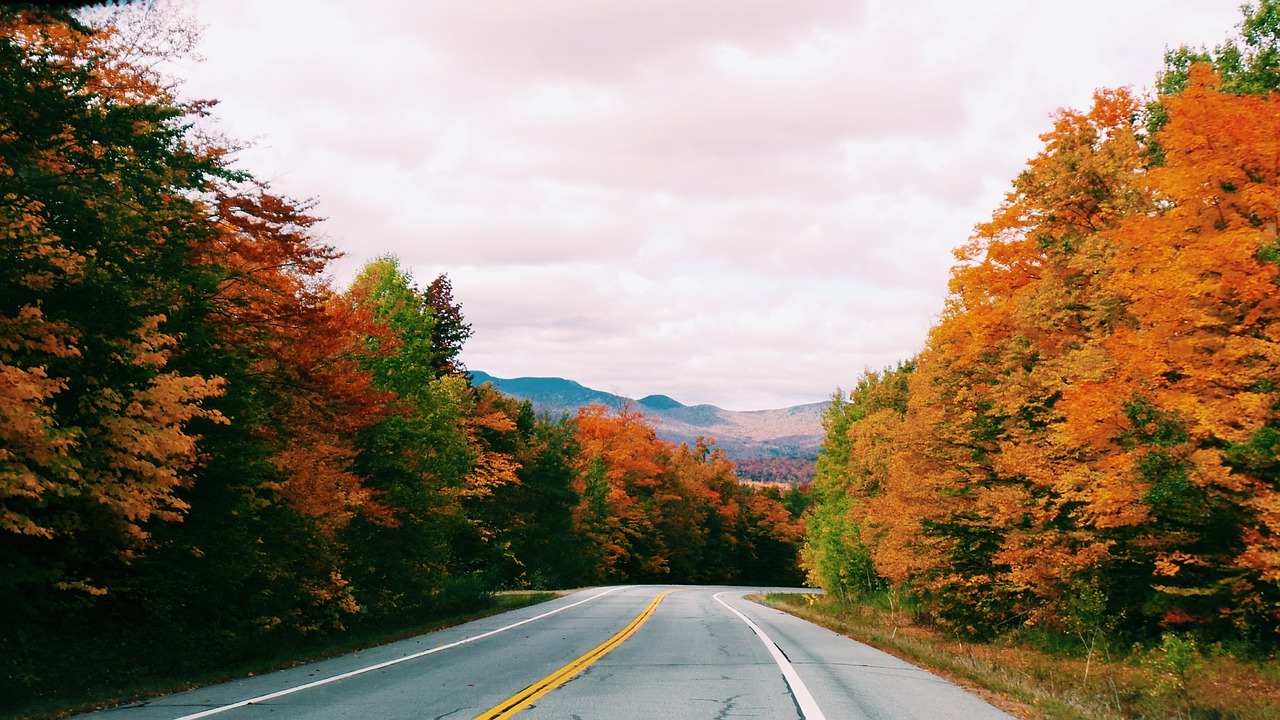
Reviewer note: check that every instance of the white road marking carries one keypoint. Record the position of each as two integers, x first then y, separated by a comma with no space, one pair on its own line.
388,663
809,709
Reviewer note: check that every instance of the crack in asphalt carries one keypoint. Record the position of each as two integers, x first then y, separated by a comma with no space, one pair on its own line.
784,653
727,706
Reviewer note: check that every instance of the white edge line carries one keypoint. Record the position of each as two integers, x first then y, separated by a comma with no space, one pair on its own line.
388,663
809,709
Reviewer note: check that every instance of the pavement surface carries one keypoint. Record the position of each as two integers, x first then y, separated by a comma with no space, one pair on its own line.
697,653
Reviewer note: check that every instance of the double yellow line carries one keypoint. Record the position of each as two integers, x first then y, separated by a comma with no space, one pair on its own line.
529,695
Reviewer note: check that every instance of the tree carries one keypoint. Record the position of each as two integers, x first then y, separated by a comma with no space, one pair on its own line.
1018,343
621,464
417,458
450,332
1248,66
1192,390
94,186
834,556
1094,415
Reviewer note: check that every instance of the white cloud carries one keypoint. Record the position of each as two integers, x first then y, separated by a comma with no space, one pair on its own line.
738,203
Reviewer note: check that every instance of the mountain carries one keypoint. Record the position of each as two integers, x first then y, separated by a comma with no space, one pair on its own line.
793,432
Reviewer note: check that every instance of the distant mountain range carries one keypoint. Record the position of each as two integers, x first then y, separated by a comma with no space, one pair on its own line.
793,432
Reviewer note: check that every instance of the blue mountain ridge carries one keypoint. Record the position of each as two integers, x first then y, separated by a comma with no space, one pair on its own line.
792,432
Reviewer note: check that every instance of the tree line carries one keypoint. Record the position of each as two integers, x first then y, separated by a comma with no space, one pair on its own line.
1090,439
208,451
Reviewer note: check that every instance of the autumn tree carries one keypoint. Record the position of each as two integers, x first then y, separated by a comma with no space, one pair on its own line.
654,511
1090,432
97,419
1247,65
1191,400
620,466
1019,336
180,389
208,454
863,433
417,458
450,331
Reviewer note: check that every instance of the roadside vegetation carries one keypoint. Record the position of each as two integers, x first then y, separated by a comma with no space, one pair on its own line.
1073,490
1071,496
1040,675
212,457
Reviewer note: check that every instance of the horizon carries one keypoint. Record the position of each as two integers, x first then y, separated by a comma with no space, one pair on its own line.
648,396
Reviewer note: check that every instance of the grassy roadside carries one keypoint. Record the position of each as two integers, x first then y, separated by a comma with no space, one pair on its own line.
75,700
1038,677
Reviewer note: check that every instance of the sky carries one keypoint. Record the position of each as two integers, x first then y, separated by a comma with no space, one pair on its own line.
746,203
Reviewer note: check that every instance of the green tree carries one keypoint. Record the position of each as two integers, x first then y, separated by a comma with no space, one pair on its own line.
1247,65
417,458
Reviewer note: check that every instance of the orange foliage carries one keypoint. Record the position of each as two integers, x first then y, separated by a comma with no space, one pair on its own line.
34,452
305,338
1098,404
656,510
493,469
85,415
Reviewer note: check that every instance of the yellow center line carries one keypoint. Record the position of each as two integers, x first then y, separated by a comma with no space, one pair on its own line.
526,697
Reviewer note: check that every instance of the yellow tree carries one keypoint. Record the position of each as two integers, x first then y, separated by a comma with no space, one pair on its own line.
850,517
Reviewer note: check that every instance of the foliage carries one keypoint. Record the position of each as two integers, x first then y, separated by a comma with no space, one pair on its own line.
1088,441
792,471
653,511
208,454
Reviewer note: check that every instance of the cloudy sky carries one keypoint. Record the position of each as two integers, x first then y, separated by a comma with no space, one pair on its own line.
737,202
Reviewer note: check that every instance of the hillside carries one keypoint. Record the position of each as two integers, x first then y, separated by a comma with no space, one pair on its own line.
792,432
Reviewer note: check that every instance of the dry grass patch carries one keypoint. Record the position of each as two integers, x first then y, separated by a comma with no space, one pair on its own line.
1019,675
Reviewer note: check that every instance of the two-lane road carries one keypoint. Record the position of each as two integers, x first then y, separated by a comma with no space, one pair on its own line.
599,654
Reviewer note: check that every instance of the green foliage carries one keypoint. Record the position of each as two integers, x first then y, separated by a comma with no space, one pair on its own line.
835,555
1174,662
1249,65
797,499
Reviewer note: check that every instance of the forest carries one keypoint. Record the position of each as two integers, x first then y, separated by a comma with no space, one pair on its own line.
207,450
1089,441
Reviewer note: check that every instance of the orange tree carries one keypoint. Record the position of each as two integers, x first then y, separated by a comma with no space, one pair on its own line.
654,511
1090,435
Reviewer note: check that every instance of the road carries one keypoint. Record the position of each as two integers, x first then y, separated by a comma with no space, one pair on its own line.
620,653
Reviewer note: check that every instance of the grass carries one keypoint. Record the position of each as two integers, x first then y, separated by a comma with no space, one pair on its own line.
75,701
1043,677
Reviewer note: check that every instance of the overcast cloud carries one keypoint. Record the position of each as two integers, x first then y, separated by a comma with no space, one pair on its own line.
737,202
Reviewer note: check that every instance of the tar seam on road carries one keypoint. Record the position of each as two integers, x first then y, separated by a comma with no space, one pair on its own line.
526,697
389,663
809,709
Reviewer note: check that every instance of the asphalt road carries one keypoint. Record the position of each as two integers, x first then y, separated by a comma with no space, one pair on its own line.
598,654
